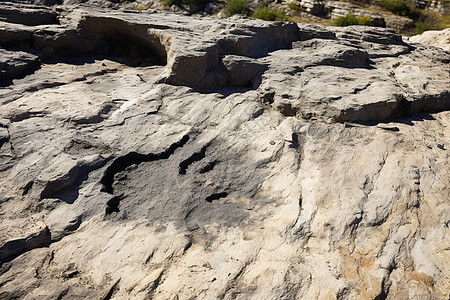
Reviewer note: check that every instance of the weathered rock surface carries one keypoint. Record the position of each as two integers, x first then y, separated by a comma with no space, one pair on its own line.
152,155
342,9
335,9
437,38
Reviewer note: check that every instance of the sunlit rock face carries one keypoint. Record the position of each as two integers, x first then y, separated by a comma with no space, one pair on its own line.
149,155
437,38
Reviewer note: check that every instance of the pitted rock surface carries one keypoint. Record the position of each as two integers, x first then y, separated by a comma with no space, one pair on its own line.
149,155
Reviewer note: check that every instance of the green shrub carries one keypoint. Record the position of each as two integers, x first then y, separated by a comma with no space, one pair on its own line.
352,20
234,7
140,8
365,20
421,27
269,14
295,7
346,21
398,7
431,21
401,8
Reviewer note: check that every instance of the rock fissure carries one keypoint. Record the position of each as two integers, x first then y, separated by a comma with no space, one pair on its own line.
13,151
133,158
4,139
113,204
111,290
12,249
197,156
216,196
208,167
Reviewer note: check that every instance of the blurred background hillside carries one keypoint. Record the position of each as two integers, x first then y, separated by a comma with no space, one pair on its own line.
408,17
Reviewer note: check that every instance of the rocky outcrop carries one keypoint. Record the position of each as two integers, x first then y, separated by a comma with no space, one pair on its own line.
153,155
434,5
437,38
336,9
342,9
315,7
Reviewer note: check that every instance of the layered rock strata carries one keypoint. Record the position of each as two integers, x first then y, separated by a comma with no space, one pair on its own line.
341,9
152,155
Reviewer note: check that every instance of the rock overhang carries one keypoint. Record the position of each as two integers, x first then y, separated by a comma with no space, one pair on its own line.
208,54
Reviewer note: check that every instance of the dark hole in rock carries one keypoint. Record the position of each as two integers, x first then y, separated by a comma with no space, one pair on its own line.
294,143
209,167
403,108
3,140
197,156
258,113
27,188
113,205
133,158
104,38
132,51
268,97
216,196
118,38
286,109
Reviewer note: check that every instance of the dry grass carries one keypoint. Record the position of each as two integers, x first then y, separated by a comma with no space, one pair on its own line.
315,21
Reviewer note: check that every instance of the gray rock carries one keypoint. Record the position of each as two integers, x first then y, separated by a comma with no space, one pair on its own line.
434,38
14,64
151,155
242,71
341,9
27,14
12,248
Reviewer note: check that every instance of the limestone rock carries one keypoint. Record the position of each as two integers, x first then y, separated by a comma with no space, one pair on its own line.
151,155
14,64
335,9
28,14
434,38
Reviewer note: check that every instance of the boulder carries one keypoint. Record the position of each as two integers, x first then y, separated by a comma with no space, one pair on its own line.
437,38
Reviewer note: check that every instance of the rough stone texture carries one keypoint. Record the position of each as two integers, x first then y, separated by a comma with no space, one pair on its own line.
315,7
435,38
342,9
27,15
152,155
335,9
434,5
